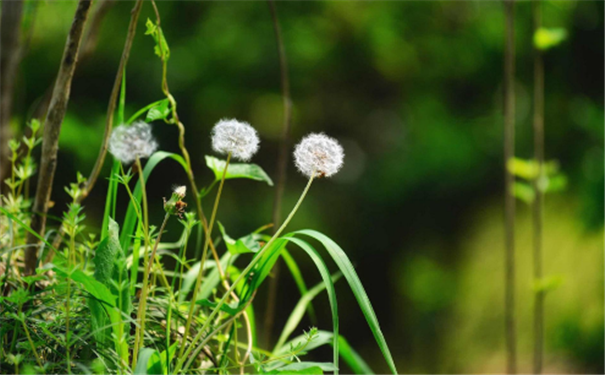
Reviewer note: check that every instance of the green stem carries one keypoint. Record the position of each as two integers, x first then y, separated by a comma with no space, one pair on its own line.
198,282
243,274
141,310
538,203
29,338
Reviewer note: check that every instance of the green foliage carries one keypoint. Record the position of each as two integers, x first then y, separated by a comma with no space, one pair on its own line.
246,244
160,111
161,46
236,170
546,38
347,269
528,171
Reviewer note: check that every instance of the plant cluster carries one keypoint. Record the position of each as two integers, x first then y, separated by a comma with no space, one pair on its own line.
104,301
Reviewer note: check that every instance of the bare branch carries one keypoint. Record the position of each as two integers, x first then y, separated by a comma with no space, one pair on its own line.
94,174
52,129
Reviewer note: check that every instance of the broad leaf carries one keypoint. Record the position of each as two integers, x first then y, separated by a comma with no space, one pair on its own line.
159,111
246,244
149,362
237,170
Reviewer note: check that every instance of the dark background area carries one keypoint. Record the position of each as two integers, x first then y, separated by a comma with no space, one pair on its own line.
413,90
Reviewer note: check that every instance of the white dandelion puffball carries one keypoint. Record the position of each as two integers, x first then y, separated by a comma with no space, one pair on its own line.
317,153
129,142
235,137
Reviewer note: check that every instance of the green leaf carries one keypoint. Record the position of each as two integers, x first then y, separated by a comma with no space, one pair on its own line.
159,111
122,103
149,362
320,339
237,170
546,38
90,284
111,198
246,244
524,192
556,183
130,220
161,46
548,283
300,282
299,310
352,358
305,368
345,266
229,309
526,169
110,265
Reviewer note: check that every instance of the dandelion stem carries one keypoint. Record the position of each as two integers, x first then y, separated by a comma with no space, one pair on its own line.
243,274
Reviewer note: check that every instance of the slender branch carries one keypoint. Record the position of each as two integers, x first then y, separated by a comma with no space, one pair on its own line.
52,129
89,44
94,174
539,200
114,97
509,200
282,164
10,55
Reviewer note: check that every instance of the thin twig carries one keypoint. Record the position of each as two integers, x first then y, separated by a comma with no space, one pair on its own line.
52,129
94,174
539,200
509,200
282,164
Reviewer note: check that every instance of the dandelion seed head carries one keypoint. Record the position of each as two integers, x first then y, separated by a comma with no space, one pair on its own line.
129,142
235,137
320,154
180,191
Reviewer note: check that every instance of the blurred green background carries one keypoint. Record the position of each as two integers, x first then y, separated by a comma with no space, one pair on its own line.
413,89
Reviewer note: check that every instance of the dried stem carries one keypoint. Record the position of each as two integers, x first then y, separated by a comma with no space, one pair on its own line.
509,200
52,129
539,200
94,174
282,164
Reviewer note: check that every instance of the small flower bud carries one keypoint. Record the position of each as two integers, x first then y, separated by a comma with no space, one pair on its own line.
175,205
317,153
235,137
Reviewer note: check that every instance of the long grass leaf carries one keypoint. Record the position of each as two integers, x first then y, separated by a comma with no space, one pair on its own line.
300,282
346,267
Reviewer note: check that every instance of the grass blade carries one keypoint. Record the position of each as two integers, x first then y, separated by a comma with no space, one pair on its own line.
346,267
300,282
